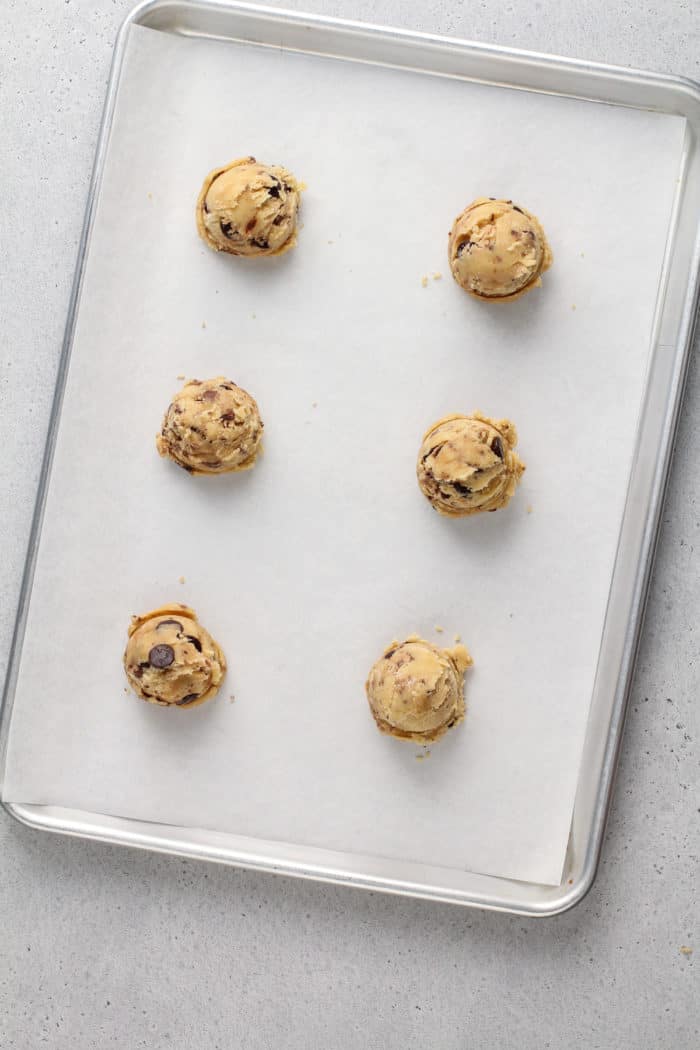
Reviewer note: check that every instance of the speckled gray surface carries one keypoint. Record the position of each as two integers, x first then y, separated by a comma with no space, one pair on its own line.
103,946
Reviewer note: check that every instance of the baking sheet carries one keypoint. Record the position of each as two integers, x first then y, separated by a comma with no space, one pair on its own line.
304,568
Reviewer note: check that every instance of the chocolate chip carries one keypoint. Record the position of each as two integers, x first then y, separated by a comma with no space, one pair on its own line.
228,417
497,447
493,198
278,220
195,642
273,191
260,242
227,229
287,187
194,382
168,623
516,208
250,225
388,655
226,386
462,489
433,451
187,699
161,656
209,395
465,246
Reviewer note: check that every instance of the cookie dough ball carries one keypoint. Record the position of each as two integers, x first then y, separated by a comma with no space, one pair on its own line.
211,426
498,251
416,690
466,464
171,660
249,208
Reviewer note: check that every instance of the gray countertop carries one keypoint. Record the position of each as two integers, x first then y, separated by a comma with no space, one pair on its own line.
106,946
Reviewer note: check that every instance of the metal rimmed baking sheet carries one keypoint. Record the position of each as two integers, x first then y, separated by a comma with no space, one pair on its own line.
386,322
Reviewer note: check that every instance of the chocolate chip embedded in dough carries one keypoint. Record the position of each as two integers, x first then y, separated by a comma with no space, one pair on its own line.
169,623
161,656
190,698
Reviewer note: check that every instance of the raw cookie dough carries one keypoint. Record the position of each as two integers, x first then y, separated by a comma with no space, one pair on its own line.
211,426
416,690
497,250
466,464
171,660
247,208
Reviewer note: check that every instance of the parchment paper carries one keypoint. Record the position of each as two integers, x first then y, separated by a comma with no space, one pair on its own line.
306,567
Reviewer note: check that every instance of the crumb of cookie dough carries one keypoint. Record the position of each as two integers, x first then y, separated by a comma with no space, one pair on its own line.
416,690
498,251
685,949
171,660
439,629
181,376
249,208
437,276
466,464
181,579
211,426
424,282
